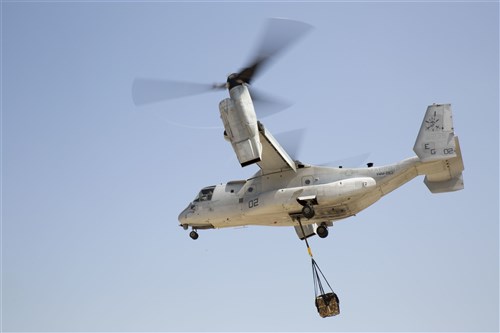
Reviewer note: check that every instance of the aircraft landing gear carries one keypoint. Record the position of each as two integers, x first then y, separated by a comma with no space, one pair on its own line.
308,211
194,235
322,231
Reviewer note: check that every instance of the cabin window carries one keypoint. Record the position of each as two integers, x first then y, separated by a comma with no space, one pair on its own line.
205,194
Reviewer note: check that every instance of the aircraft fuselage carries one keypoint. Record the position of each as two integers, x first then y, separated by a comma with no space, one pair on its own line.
276,199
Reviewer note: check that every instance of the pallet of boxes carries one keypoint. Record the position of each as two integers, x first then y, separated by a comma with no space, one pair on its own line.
327,303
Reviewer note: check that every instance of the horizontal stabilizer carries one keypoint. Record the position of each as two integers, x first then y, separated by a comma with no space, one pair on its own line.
444,175
454,184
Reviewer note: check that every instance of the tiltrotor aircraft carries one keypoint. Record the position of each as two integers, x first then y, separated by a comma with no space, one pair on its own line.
286,192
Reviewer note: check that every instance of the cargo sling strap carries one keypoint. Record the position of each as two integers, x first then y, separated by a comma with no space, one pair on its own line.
318,286
326,303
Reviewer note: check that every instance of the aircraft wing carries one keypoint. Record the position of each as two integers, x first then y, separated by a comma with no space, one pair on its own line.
274,157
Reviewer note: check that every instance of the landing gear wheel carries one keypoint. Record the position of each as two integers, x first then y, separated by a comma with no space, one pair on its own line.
193,234
322,231
308,211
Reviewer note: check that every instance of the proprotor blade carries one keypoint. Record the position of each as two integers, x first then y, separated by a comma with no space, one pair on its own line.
267,105
278,35
292,141
146,91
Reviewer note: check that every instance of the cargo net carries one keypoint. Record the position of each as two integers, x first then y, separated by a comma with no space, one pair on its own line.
327,301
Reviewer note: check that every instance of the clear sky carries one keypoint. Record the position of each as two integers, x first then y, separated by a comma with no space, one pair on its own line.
92,185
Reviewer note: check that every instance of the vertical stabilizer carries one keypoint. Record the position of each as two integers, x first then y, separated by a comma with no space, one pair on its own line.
438,149
435,140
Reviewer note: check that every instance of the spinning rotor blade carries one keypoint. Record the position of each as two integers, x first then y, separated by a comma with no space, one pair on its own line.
146,91
279,34
267,105
292,141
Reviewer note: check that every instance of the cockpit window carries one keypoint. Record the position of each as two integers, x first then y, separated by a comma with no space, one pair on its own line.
205,194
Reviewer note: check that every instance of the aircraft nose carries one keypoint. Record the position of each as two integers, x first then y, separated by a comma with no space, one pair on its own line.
185,216
182,217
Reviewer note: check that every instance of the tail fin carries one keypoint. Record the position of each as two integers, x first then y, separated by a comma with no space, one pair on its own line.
438,149
435,140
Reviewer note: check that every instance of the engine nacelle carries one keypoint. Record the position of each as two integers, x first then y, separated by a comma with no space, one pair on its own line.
240,124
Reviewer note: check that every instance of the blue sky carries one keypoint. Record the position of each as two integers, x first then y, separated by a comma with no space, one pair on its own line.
92,185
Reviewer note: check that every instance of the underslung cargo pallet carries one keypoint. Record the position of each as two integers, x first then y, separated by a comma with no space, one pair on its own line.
326,302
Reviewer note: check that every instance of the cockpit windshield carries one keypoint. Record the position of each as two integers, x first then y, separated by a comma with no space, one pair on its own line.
205,194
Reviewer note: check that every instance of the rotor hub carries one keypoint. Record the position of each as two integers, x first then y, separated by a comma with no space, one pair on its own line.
234,80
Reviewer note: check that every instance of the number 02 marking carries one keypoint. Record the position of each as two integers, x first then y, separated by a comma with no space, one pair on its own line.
253,203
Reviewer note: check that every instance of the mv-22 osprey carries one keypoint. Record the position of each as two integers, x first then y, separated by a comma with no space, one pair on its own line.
286,192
